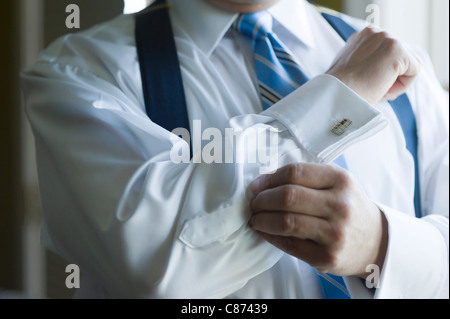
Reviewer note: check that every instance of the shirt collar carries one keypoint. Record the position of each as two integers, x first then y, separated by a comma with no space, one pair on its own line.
293,15
206,24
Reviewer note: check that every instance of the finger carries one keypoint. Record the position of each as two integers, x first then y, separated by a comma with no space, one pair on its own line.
306,250
293,198
400,86
412,64
408,69
304,174
292,225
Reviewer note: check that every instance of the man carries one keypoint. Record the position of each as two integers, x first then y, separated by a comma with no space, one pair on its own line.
140,225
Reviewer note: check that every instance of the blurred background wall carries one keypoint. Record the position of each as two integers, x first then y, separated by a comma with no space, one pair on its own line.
27,26
10,201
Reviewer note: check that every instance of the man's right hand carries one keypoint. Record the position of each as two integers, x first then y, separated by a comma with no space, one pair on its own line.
376,66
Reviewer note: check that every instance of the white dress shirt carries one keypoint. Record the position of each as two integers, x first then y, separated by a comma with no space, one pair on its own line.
139,225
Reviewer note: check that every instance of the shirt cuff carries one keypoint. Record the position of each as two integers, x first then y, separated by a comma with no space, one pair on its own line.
312,111
416,259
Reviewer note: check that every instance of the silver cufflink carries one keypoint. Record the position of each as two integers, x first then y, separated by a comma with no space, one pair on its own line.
341,127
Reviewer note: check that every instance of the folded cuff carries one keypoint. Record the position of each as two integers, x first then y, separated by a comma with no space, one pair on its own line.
312,111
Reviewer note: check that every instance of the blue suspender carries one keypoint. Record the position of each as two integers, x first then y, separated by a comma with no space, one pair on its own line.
163,86
160,70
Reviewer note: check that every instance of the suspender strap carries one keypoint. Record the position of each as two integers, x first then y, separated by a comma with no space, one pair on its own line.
401,106
160,69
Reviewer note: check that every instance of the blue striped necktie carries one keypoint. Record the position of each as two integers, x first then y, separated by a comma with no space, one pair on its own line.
279,74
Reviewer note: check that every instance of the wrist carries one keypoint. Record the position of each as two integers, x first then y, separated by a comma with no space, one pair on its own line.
382,249
356,86
380,252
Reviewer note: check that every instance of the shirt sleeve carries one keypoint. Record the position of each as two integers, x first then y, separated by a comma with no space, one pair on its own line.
418,254
417,258
136,223
417,261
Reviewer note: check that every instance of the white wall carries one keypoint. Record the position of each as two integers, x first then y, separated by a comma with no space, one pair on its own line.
423,23
439,46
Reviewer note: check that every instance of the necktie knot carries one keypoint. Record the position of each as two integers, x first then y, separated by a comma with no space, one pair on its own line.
277,70
255,25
